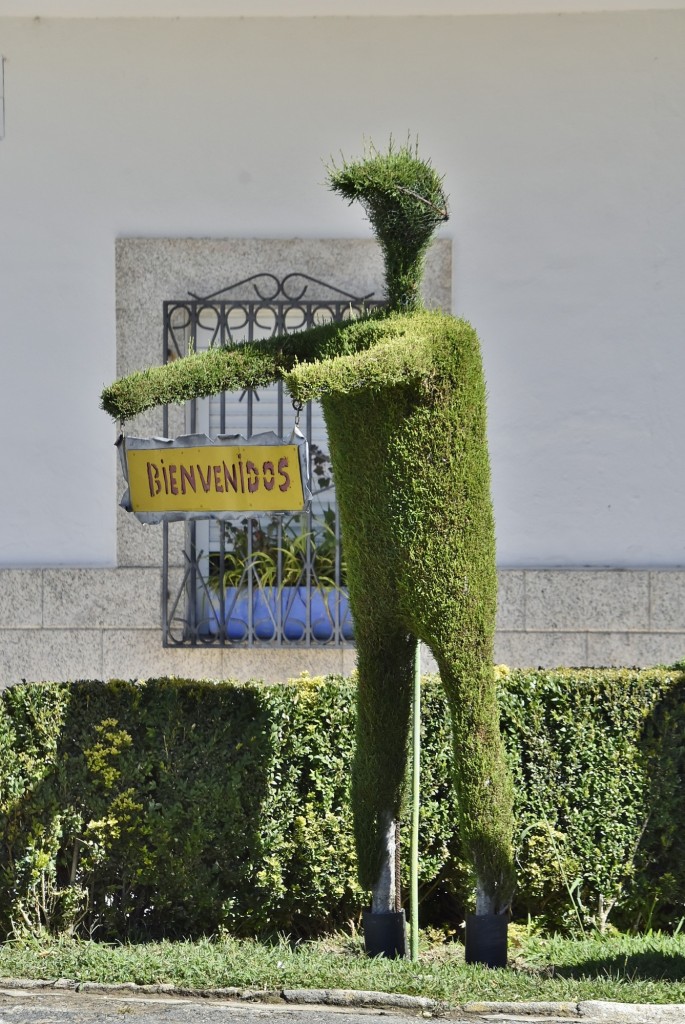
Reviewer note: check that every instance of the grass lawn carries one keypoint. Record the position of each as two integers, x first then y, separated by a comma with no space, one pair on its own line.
623,968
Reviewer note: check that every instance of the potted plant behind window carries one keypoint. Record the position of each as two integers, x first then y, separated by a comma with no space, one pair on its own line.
265,570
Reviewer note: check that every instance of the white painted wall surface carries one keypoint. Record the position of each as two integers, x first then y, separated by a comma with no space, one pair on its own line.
563,144
314,8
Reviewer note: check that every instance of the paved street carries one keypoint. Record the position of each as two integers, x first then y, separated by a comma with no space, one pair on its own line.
47,1006
30,1007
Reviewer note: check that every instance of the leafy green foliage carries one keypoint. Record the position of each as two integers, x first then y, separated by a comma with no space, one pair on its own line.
177,808
598,765
289,543
404,199
403,356
223,368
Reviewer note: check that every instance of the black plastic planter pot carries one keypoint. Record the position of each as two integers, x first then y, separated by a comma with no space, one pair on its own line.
385,935
486,939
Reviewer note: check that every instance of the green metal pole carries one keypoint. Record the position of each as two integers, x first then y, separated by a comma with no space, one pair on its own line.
415,801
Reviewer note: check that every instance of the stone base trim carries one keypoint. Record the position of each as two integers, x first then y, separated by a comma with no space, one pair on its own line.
590,617
105,623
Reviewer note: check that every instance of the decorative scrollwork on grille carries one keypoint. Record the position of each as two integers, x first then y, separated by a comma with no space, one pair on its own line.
262,580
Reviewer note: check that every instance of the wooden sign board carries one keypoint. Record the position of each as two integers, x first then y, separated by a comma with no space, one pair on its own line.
198,477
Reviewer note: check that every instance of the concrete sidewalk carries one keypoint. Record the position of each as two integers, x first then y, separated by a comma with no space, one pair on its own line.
49,1002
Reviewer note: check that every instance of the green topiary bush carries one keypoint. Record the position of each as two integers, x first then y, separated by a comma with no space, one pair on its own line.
178,808
403,398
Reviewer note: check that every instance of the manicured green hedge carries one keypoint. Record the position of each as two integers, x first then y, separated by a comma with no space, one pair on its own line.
174,808
599,766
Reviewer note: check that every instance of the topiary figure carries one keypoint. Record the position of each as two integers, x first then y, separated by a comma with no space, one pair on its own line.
403,398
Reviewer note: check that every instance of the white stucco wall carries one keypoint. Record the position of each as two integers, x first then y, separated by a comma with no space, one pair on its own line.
314,8
562,139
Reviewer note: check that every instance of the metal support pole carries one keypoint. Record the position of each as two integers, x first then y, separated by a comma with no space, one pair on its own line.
415,801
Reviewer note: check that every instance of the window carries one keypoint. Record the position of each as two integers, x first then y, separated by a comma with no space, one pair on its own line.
274,580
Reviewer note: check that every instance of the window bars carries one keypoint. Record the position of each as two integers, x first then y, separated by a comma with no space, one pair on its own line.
265,580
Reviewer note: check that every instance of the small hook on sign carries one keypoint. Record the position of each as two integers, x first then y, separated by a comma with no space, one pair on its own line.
298,407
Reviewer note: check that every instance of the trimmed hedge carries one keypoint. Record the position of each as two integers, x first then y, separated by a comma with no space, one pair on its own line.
176,808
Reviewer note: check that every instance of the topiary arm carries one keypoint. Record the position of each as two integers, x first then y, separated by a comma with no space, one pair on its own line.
385,365
228,368
382,352
194,376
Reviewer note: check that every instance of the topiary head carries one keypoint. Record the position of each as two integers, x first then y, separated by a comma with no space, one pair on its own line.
404,199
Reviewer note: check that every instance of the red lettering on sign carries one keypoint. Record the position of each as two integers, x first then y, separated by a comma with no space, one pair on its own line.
206,482
217,478
269,475
252,476
282,471
173,486
187,476
153,479
231,477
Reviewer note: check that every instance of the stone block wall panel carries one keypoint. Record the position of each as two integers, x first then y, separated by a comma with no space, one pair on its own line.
105,623
49,655
21,599
101,598
587,599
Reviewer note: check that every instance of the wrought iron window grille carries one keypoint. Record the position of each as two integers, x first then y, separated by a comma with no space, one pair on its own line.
266,580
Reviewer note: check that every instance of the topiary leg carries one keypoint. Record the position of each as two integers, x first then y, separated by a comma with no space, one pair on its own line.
482,781
385,664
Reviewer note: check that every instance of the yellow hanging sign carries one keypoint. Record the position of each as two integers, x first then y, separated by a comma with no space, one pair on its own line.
173,480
